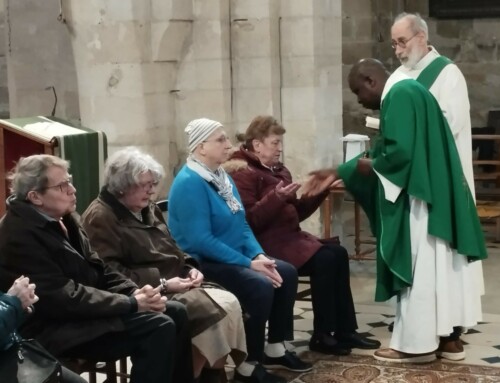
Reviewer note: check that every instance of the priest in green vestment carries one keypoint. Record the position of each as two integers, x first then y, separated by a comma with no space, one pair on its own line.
412,187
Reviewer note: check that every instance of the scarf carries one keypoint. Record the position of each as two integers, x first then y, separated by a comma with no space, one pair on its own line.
219,179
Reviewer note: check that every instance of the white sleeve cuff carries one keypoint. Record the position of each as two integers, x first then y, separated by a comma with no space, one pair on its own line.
391,191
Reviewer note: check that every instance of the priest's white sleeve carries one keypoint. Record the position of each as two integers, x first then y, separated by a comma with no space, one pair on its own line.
391,191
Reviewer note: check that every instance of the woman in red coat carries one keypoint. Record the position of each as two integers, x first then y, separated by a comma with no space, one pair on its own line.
274,213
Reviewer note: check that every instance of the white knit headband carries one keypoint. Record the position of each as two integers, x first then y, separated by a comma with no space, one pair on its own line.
199,130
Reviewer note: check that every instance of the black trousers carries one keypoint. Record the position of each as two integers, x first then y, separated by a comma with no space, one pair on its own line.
332,302
260,300
159,346
69,376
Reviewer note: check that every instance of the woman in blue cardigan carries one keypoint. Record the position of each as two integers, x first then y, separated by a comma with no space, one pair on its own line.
207,220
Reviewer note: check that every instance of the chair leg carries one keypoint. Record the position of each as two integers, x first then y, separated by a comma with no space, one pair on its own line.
110,371
92,377
123,370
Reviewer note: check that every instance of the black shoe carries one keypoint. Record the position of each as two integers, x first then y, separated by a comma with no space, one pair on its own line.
354,340
290,361
327,344
259,375
210,375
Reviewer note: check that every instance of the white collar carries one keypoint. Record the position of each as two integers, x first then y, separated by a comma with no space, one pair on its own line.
393,79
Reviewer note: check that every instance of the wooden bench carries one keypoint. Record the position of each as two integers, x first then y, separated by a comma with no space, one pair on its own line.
490,210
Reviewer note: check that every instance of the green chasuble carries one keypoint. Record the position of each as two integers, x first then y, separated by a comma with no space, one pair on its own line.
416,152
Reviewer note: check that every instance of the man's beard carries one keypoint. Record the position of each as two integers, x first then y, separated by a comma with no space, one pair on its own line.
411,60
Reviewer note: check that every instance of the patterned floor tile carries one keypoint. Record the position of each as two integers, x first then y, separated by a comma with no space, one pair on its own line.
482,343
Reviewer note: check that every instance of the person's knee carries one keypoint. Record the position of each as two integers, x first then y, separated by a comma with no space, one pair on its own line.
162,333
230,302
288,272
331,256
178,312
259,303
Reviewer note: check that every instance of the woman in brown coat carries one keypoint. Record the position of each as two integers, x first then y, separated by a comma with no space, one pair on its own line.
130,234
274,213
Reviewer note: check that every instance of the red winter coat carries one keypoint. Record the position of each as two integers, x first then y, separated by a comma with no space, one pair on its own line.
275,222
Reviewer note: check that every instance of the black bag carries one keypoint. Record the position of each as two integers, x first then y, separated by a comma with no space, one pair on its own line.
26,361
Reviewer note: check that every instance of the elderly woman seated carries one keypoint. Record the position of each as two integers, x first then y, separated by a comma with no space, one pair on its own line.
207,219
274,213
130,234
86,310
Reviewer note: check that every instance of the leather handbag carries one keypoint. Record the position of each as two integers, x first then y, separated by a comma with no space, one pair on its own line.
26,361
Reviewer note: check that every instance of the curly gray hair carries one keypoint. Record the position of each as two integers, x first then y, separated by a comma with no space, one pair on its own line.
30,173
123,168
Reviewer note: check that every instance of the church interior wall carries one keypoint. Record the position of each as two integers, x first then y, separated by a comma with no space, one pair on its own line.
473,44
141,70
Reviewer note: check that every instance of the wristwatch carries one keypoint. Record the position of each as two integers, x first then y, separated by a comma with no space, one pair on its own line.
164,285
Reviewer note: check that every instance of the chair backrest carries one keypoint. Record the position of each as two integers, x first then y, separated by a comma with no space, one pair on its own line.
163,205
108,368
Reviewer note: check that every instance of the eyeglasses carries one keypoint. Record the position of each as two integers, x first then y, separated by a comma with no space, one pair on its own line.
63,186
147,186
402,42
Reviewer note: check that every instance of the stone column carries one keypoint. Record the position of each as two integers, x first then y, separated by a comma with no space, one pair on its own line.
203,83
255,45
4,89
126,56
311,51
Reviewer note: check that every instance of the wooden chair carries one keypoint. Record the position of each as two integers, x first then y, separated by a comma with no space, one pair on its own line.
488,182
327,212
163,205
93,368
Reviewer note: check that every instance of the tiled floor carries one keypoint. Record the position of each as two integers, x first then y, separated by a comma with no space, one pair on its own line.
482,342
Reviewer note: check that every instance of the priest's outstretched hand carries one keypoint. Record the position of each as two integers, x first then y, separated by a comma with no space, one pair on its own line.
319,181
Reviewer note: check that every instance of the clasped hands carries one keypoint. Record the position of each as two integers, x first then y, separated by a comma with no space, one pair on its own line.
25,291
181,285
267,267
150,298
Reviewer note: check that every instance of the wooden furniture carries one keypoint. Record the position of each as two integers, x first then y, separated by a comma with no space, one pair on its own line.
85,149
487,183
93,368
492,178
327,211
490,210
15,144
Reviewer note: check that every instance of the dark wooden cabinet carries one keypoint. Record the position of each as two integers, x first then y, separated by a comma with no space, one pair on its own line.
85,149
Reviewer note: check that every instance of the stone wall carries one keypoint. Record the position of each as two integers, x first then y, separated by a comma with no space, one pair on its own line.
474,45
4,90
39,55
141,70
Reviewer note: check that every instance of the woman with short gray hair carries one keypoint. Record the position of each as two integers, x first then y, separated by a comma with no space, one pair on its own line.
129,232
124,168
